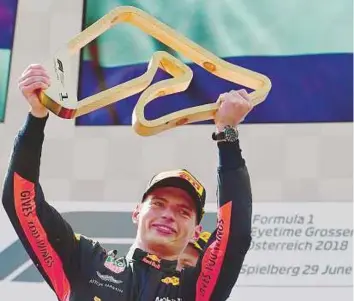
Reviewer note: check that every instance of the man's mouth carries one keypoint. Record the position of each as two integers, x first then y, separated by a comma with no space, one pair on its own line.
164,229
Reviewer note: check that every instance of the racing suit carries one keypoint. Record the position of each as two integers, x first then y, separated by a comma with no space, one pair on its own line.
78,268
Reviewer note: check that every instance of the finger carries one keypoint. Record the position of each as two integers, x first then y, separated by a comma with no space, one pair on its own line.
238,91
241,93
221,98
249,107
33,66
226,97
33,79
34,72
233,96
245,95
35,86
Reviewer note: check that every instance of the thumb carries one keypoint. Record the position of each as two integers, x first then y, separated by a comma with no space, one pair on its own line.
221,98
32,98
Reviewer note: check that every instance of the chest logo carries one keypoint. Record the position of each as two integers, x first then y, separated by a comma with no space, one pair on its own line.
114,265
152,260
171,280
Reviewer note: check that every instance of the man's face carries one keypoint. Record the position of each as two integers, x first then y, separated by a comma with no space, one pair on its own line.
188,258
167,220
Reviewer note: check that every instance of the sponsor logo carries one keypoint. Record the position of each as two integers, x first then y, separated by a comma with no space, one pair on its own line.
152,260
212,254
171,280
60,65
182,174
59,70
213,259
108,278
167,299
216,249
187,176
114,265
28,210
106,285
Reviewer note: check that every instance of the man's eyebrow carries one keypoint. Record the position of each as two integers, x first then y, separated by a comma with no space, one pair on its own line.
183,206
157,197
188,207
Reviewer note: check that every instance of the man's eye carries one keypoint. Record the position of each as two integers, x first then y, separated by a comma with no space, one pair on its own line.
157,203
185,212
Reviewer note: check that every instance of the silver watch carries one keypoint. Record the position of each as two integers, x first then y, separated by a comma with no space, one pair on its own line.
229,134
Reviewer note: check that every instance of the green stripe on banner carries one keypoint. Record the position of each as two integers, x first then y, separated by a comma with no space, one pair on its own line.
5,56
230,28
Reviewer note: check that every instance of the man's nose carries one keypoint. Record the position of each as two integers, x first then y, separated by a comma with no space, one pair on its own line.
168,213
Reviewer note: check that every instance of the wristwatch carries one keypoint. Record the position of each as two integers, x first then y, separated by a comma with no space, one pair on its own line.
229,134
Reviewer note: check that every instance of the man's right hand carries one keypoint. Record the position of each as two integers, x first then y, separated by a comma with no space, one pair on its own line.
32,81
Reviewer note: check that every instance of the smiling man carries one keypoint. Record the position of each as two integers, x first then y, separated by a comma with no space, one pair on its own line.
169,214
167,219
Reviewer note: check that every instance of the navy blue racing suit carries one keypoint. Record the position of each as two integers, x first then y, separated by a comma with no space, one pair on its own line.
78,268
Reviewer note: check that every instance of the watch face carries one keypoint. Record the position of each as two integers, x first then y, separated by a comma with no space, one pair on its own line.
228,134
231,134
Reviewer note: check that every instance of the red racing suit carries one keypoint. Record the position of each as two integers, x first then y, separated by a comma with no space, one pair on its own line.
78,268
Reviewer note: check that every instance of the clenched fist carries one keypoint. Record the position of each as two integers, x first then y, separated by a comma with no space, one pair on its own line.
32,81
234,107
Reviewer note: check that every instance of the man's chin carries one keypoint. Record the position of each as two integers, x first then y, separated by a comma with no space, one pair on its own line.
159,239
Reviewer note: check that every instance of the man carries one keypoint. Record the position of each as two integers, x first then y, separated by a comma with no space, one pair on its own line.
193,251
78,268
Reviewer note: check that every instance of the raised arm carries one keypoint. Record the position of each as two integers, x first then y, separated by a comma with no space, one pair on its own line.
219,267
225,252
46,236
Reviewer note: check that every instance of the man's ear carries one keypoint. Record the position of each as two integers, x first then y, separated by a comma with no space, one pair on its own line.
198,229
136,213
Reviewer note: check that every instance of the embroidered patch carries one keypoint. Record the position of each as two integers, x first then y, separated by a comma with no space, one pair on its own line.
171,280
152,260
108,278
114,265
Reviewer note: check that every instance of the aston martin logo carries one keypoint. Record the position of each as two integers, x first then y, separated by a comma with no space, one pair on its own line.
108,278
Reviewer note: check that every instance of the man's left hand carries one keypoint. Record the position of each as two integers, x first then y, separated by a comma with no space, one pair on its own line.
234,107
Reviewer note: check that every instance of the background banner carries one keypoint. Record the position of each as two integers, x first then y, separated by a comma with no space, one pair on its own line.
8,10
307,56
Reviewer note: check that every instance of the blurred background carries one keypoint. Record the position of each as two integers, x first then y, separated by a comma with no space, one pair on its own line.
298,144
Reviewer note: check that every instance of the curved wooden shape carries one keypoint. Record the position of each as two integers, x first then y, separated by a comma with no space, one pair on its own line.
69,107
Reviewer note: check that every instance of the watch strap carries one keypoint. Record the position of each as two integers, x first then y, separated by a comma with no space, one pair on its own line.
229,134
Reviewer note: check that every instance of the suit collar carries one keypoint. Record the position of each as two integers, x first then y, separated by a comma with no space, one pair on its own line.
151,260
